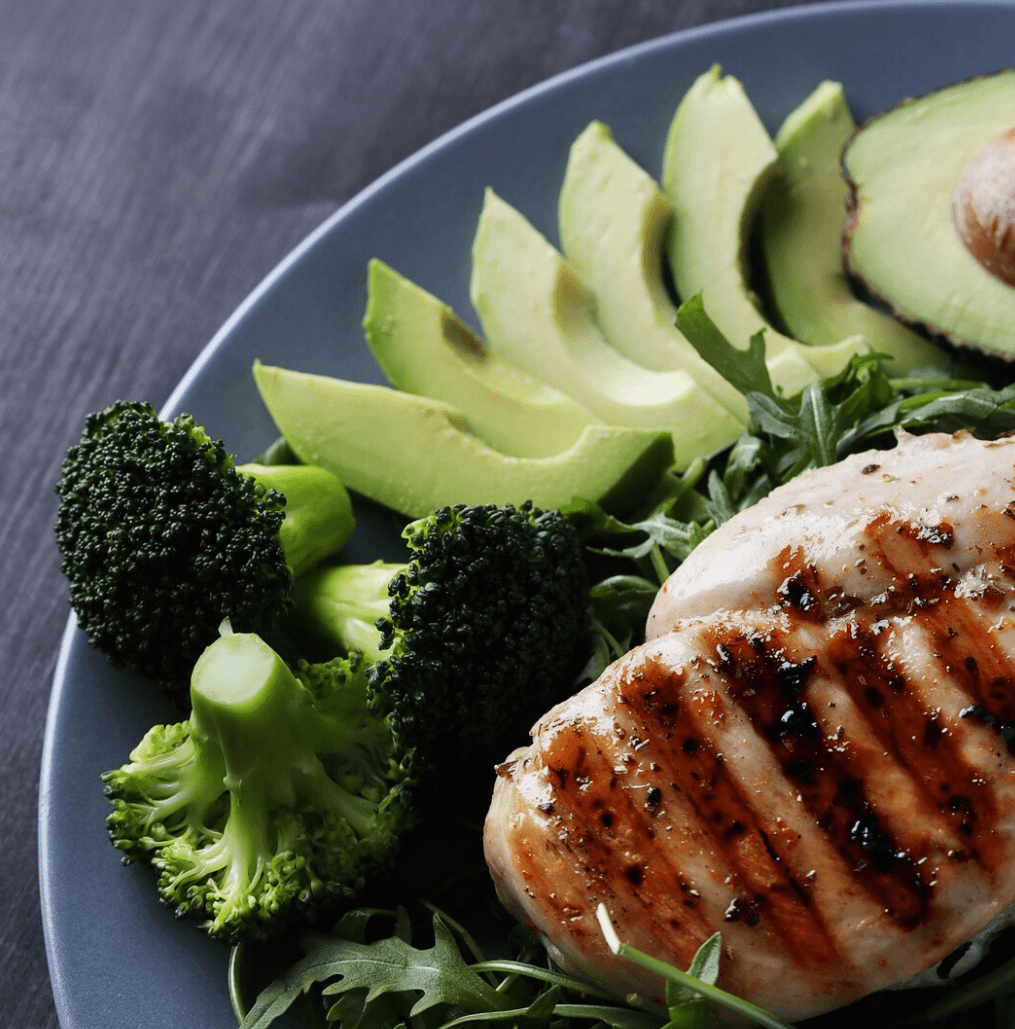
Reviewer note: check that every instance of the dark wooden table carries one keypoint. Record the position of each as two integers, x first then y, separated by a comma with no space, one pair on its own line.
156,161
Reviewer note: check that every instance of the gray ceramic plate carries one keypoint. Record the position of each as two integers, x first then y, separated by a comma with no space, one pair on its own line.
116,957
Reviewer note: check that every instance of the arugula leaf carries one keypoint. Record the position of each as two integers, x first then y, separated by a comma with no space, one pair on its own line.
720,504
740,476
618,607
436,976
688,1008
389,984
658,530
380,984
857,408
315,967
744,369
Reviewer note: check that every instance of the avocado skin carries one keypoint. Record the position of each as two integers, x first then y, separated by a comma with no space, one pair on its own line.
800,221
414,455
970,325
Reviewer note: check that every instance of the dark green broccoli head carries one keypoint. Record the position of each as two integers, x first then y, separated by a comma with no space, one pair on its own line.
488,628
273,804
162,537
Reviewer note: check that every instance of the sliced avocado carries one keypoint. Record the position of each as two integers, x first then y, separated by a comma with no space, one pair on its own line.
612,219
414,454
538,315
424,348
903,169
717,160
801,237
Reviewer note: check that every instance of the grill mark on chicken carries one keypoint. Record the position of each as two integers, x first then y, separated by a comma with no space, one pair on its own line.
849,645
764,887
600,799
913,737
596,820
984,671
908,732
770,688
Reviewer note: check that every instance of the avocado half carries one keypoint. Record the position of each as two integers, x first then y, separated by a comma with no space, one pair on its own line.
911,174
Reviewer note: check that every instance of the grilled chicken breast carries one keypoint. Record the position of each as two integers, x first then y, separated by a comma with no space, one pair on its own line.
810,754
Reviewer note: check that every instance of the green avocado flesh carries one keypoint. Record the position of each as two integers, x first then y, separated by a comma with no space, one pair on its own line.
902,168
539,316
414,454
424,348
717,160
801,237
612,219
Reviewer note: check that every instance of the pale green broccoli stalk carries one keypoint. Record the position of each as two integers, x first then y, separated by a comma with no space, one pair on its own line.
336,608
274,803
318,511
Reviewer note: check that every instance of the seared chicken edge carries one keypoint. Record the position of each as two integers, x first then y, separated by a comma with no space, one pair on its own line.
810,754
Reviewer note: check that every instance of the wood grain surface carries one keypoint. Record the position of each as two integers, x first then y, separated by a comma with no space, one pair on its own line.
156,161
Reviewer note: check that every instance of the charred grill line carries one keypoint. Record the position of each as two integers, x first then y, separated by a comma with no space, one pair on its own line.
937,757
866,711
904,730
835,799
983,672
764,888
607,875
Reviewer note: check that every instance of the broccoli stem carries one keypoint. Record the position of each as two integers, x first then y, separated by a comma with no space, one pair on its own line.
338,606
318,512
247,702
239,679
326,795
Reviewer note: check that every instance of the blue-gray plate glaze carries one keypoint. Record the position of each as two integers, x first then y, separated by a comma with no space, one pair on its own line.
118,959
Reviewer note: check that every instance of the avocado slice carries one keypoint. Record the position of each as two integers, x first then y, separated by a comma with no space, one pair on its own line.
424,348
538,315
902,169
801,238
414,454
612,219
717,159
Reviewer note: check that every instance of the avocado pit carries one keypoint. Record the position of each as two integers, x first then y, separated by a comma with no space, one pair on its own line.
983,206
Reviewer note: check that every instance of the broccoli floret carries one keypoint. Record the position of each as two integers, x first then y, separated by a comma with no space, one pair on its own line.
162,536
486,627
276,800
